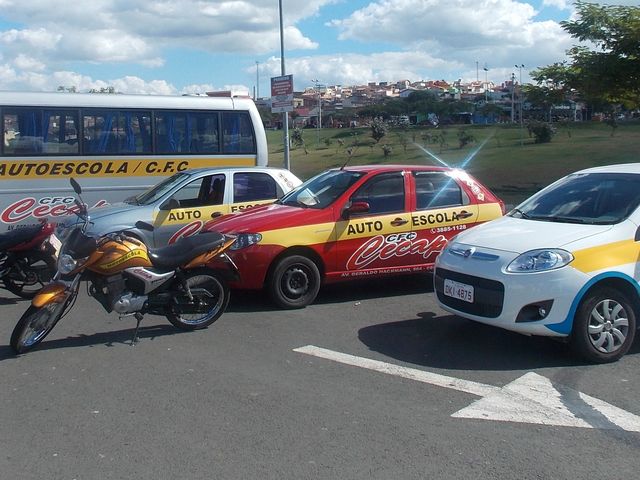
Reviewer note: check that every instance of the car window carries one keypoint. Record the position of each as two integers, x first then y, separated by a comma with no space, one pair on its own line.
384,193
252,186
321,190
602,198
437,189
159,190
202,192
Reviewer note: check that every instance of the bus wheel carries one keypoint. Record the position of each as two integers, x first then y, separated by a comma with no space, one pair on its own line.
294,282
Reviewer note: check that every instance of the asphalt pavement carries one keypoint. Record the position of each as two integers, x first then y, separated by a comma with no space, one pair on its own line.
372,381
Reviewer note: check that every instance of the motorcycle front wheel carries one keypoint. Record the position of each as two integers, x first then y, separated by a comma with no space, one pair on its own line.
210,299
34,325
36,271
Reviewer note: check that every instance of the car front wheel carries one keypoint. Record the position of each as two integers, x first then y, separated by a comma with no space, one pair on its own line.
294,282
604,326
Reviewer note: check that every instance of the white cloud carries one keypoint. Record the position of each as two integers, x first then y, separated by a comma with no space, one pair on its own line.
351,69
24,62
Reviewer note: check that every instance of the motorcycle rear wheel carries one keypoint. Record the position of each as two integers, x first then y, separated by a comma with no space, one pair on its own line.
40,269
34,325
210,299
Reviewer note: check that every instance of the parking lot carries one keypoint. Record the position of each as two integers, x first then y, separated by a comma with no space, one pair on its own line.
371,381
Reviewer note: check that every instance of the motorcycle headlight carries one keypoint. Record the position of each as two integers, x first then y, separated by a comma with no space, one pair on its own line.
66,263
244,240
540,261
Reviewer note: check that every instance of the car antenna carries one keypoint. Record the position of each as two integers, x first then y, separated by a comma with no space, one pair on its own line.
345,163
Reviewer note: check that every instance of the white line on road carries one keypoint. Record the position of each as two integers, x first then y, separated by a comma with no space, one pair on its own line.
531,398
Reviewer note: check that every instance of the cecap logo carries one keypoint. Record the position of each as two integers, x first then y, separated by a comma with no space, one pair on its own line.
468,252
396,245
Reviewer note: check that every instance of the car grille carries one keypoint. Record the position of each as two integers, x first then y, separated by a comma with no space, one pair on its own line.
488,294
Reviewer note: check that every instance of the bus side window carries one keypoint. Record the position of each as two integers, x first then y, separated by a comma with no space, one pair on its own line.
29,131
238,133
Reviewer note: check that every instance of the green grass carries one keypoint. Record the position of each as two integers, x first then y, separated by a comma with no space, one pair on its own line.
506,160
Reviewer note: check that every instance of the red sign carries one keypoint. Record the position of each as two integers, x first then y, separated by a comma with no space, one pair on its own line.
282,94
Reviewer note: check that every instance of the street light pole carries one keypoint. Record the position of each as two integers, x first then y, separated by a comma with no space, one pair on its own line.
486,84
513,92
285,115
257,80
520,101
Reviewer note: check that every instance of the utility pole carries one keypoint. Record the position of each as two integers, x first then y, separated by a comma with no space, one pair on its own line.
285,115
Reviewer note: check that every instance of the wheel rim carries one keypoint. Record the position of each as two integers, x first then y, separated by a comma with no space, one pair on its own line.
608,326
39,325
208,296
296,281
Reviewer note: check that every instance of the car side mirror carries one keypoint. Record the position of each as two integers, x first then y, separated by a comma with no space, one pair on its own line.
140,225
354,208
170,204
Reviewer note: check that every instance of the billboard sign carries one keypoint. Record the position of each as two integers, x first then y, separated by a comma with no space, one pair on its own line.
282,94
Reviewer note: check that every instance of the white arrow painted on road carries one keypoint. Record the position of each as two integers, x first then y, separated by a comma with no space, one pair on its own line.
531,398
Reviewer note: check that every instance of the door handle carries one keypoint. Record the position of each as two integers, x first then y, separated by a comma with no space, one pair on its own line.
216,214
398,222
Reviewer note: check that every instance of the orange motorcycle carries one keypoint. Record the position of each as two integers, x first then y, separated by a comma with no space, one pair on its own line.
125,276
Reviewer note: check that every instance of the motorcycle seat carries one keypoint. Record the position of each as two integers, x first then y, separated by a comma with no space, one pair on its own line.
185,249
19,235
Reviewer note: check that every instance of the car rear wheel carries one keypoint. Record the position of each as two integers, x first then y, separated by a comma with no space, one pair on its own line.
294,282
604,326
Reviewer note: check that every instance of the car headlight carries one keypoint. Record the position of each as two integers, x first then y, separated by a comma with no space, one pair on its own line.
540,260
244,240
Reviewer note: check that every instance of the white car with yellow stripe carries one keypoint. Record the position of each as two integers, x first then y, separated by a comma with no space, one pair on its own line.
182,204
564,263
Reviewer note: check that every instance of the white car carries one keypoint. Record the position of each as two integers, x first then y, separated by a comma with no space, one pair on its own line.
182,204
564,263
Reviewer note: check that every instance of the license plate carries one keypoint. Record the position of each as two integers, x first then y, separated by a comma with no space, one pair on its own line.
55,243
458,290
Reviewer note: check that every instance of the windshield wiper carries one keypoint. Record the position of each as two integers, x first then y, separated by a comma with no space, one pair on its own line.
557,219
521,213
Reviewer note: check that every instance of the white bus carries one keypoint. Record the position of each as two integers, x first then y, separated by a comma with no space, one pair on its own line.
114,145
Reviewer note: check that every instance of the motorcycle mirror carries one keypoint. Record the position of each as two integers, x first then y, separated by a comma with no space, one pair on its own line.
144,226
76,186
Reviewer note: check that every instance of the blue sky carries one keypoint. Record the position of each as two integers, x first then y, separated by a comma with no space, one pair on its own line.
189,46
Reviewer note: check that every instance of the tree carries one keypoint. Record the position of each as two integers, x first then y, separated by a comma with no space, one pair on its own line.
610,72
378,129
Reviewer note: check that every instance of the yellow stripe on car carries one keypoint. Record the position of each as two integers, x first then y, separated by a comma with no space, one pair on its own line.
606,256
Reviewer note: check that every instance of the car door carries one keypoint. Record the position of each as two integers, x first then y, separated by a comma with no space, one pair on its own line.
378,223
197,202
441,209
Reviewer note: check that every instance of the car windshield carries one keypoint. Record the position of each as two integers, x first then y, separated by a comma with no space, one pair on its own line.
321,190
591,198
158,191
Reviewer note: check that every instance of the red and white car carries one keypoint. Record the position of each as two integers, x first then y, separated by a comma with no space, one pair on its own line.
354,222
